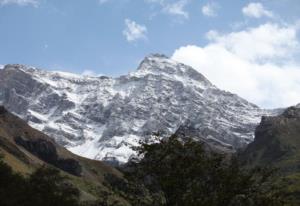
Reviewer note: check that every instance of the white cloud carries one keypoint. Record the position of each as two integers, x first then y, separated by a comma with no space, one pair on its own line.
103,1
134,31
256,10
210,9
34,3
172,7
265,42
256,63
177,8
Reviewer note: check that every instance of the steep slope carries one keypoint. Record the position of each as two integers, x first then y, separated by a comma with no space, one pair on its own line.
26,149
102,117
277,144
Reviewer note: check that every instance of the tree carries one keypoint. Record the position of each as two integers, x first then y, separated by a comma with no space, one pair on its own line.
12,186
190,176
49,188
45,187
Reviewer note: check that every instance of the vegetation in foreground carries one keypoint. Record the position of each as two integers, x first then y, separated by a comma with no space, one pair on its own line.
171,173
43,187
187,175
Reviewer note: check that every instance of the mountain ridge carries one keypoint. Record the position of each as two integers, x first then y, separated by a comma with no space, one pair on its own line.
102,117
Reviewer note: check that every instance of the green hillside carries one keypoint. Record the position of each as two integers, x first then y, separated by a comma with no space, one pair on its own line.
277,144
25,150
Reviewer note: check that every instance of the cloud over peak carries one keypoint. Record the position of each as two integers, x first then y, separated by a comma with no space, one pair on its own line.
256,63
262,43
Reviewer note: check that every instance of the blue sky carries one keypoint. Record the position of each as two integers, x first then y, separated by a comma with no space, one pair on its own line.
111,37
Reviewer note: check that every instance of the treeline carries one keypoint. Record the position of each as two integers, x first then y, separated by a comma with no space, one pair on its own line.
170,172
44,187
188,175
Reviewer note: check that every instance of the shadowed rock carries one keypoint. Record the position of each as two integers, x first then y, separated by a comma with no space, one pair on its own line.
46,151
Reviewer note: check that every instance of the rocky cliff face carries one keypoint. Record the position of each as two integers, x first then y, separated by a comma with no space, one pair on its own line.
25,147
102,117
277,145
277,142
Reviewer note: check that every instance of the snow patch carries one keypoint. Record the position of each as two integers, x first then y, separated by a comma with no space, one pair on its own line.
102,118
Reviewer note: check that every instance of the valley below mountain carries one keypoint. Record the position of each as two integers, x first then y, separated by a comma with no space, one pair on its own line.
275,145
47,116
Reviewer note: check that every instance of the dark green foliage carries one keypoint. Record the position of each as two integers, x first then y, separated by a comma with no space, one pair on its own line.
49,188
133,191
45,187
277,143
12,186
189,176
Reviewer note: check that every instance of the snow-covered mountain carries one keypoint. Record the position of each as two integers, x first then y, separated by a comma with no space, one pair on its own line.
102,117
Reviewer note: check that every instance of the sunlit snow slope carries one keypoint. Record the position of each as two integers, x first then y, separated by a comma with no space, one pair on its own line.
102,117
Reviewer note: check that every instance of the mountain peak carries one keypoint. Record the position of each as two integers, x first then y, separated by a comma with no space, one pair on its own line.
156,61
17,67
159,64
157,55
103,118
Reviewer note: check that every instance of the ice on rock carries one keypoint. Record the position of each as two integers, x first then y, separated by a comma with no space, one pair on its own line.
102,117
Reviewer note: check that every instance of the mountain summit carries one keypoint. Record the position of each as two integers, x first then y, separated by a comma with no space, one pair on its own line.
102,117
